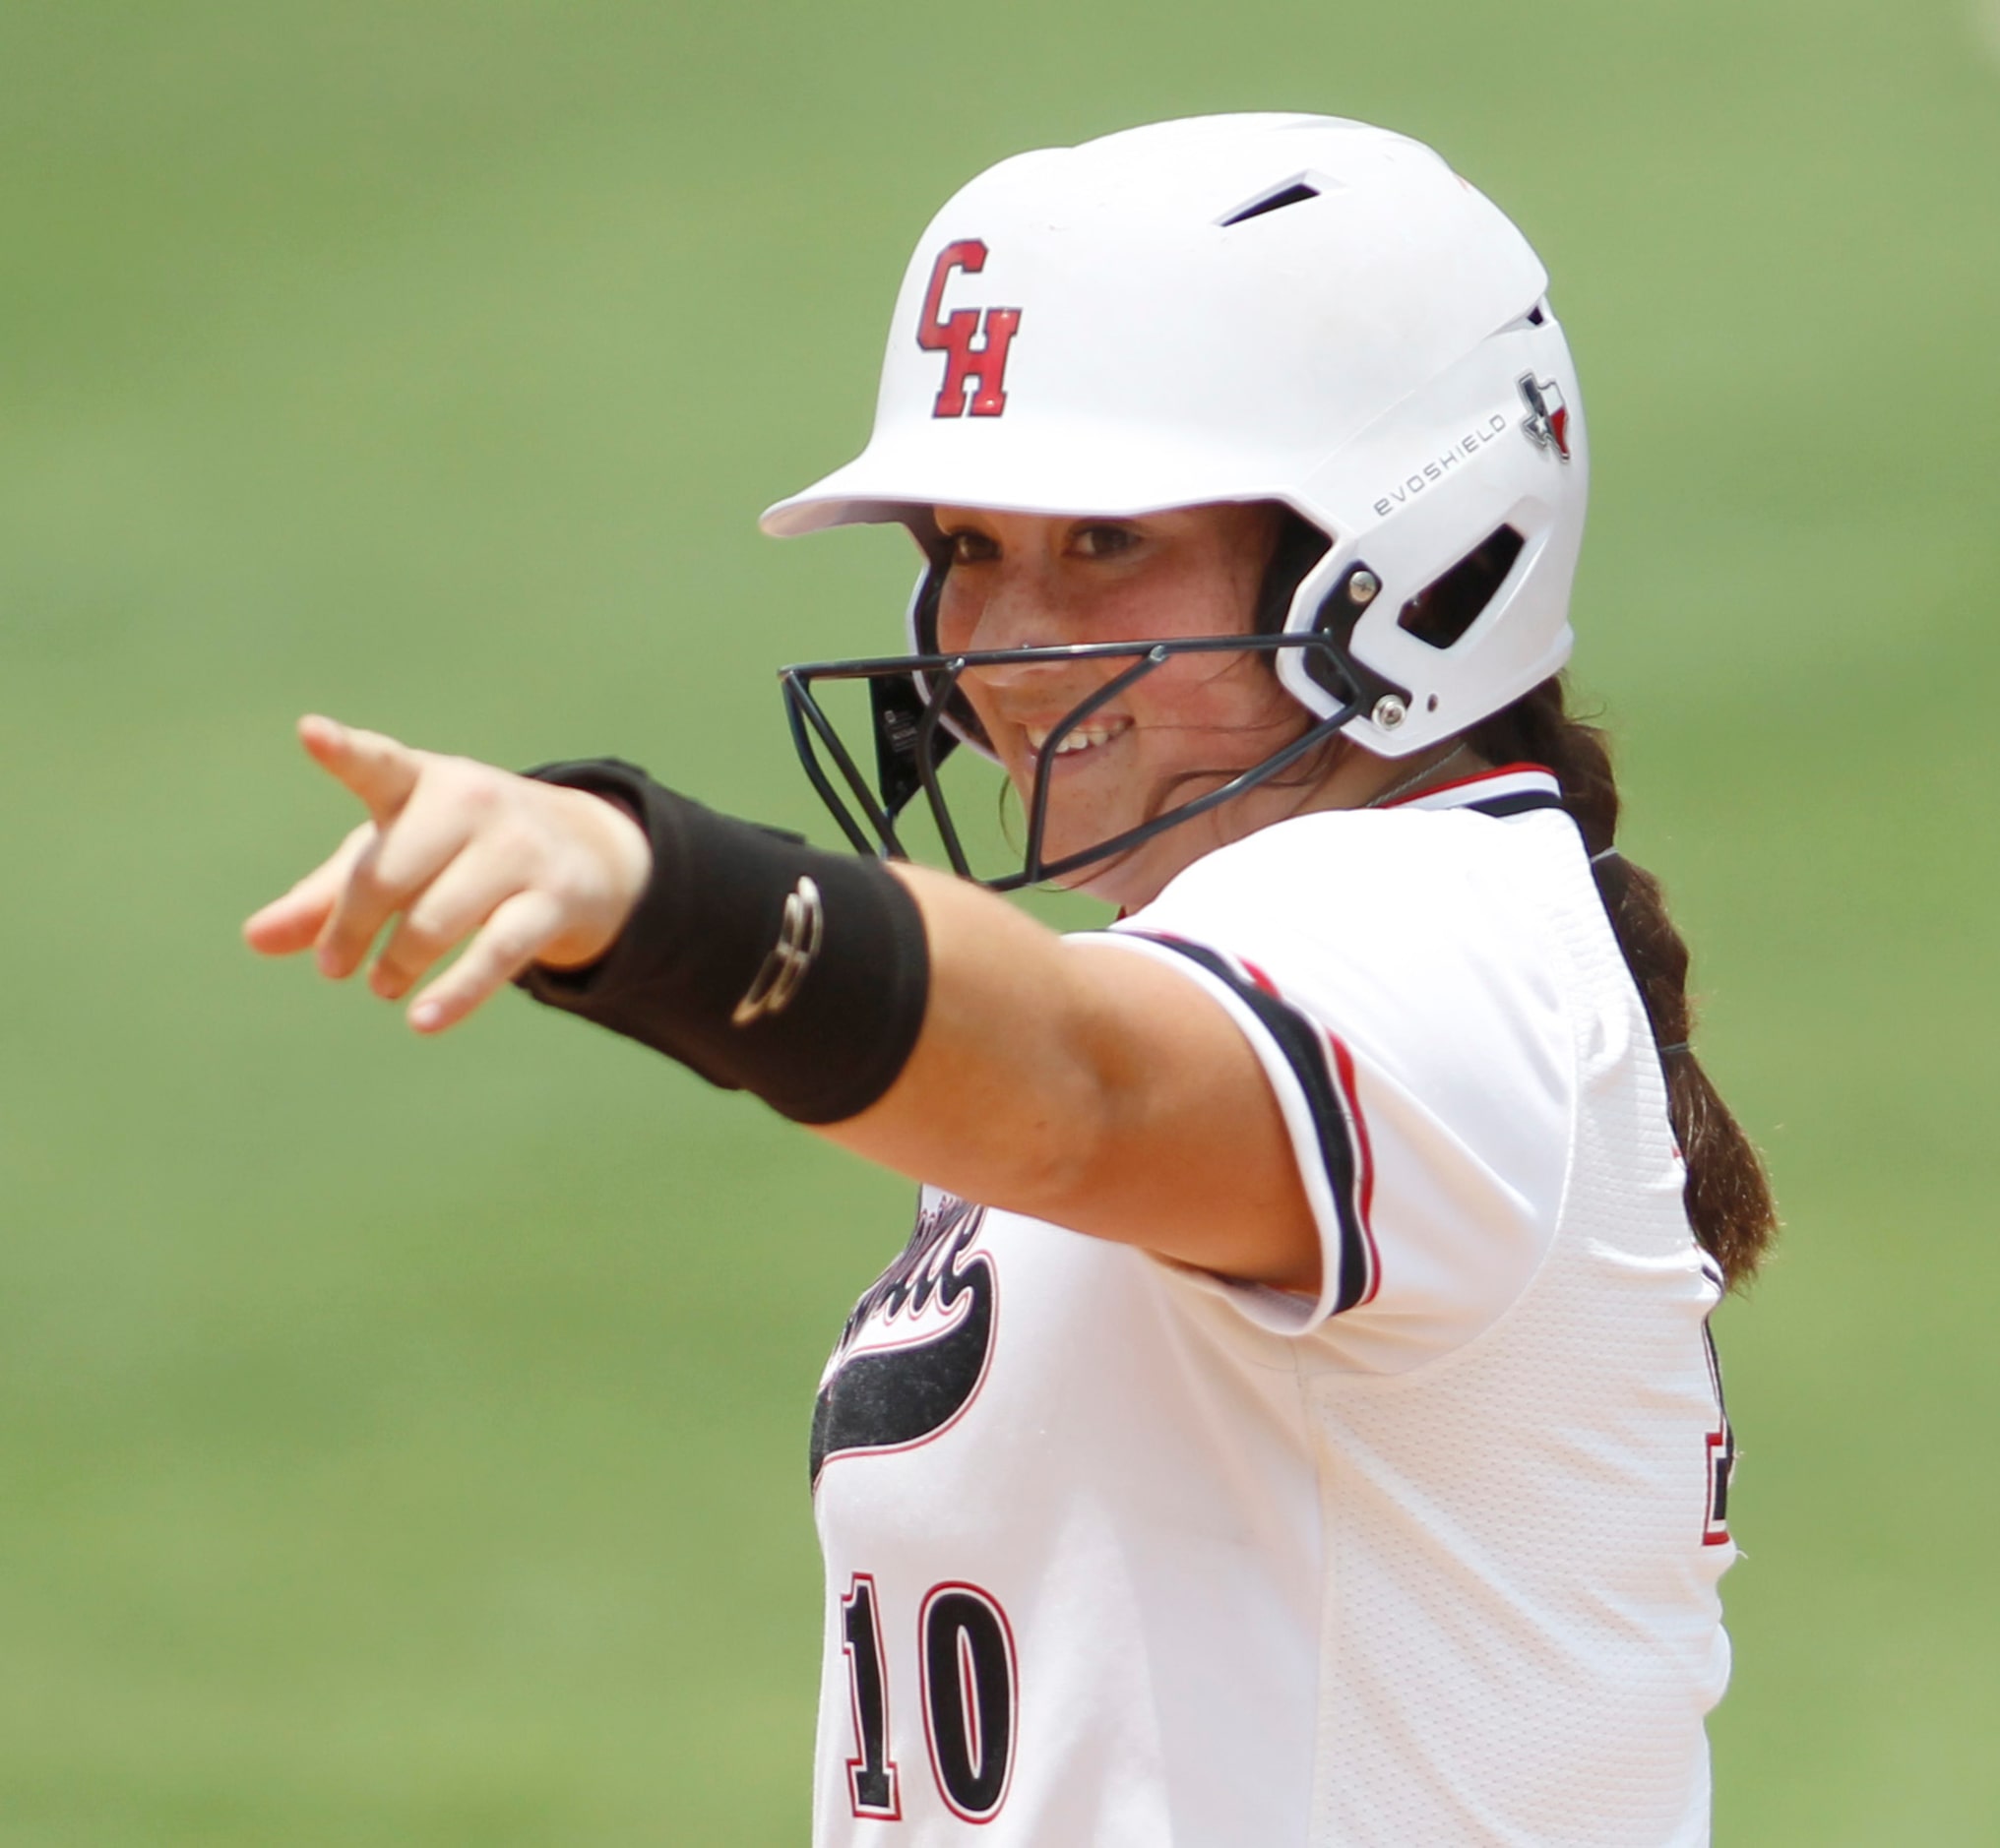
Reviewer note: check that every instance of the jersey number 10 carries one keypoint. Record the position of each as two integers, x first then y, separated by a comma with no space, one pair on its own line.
966,1653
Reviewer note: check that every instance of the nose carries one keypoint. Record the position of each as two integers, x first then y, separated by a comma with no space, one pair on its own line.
1021,601
1010,607
1015,613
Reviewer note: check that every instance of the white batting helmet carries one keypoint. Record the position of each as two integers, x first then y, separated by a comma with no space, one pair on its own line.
1287,308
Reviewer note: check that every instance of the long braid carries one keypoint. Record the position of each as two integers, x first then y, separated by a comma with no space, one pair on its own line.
1728,1198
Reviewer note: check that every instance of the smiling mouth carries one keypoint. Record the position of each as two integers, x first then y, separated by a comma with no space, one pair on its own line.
1076,742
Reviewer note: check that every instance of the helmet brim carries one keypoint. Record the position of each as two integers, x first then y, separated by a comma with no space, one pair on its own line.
990,466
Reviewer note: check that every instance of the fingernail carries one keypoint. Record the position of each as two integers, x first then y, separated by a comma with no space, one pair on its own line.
425,1015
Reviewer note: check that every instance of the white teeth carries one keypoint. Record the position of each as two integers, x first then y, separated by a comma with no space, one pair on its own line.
1083,738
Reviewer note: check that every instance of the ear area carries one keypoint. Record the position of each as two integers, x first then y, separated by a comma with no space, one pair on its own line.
1298,548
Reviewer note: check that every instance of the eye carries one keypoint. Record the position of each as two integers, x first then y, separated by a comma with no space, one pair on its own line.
1103,538
971,547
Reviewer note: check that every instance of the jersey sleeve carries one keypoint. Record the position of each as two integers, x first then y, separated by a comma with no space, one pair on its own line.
1405,1001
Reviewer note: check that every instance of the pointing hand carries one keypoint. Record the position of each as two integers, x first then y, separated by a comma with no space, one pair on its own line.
455,851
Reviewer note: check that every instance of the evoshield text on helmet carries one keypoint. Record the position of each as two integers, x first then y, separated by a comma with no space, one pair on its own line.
1295,309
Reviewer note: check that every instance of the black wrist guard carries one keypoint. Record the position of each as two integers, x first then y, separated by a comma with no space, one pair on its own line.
762,963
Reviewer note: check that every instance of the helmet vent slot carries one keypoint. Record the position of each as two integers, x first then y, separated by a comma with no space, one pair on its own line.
1445,608
1534,315
1292,193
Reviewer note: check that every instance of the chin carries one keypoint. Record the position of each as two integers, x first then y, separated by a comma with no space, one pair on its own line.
1134,877
1129,880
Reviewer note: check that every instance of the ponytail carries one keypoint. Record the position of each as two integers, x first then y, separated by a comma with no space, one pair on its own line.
1728,1198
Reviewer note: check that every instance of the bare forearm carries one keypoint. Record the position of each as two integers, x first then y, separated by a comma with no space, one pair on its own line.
1003,1098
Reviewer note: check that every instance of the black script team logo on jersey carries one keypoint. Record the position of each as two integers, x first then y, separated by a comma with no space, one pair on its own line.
954,335
1547,421
914,1351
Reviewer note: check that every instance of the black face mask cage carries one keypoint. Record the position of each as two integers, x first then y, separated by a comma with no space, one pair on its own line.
910,695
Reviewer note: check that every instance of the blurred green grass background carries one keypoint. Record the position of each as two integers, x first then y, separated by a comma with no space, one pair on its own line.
406,1443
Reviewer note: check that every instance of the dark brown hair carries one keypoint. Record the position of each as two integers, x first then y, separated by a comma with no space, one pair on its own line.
1728,1198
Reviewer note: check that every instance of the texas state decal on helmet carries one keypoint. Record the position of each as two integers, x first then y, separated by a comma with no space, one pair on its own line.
1547,422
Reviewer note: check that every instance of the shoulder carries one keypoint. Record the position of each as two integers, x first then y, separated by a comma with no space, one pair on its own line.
1406,981
1399,886
1429,943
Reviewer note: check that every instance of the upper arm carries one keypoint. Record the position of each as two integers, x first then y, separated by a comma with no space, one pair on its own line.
1074,1082
1191,1156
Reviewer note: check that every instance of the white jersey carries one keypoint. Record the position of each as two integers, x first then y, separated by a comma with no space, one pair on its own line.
1122,1554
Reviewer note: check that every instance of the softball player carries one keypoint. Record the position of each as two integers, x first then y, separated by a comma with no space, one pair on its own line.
1293,1418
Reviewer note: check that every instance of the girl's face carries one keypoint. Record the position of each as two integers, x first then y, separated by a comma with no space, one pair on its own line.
1028,580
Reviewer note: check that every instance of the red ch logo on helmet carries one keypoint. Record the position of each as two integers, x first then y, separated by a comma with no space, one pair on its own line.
992,327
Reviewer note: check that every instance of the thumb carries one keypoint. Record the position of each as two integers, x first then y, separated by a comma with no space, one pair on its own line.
377,769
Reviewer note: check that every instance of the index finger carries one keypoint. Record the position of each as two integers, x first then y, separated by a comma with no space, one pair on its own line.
378,769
